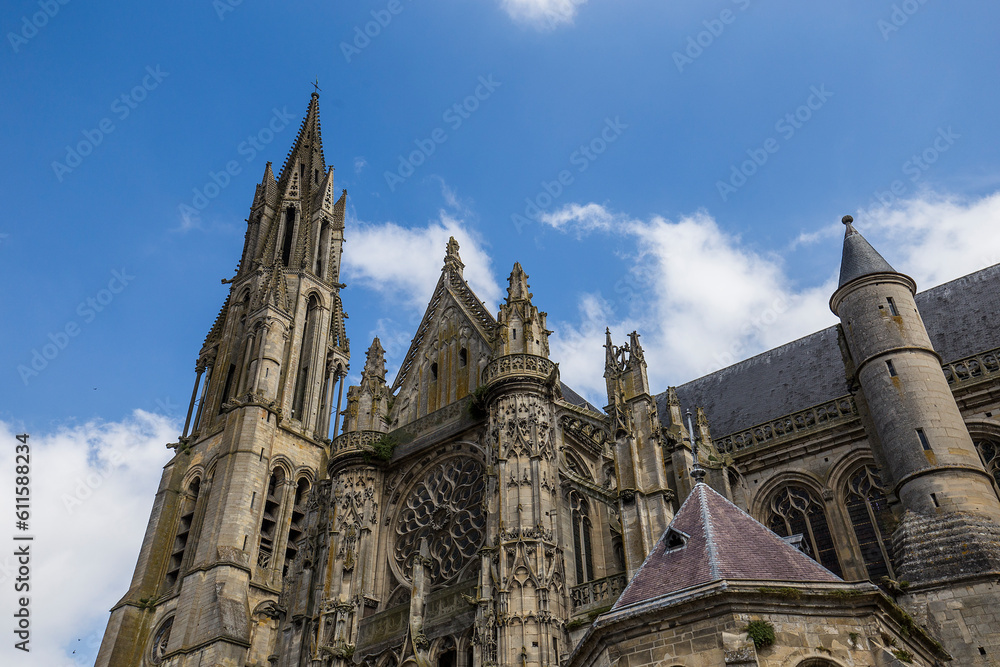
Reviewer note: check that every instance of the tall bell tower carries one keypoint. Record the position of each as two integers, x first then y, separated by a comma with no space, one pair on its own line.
229,507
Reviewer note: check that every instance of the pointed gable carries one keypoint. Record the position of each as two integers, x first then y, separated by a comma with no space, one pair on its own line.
711,539
450,347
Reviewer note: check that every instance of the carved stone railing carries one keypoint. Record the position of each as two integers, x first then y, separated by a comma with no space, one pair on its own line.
972,368
597,593
355,440
513,365
818,416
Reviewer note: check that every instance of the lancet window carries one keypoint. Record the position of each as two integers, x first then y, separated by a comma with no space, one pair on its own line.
794,510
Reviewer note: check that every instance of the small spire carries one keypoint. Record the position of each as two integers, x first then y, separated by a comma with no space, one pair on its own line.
859,258
452,260
517,289
375,361
697,472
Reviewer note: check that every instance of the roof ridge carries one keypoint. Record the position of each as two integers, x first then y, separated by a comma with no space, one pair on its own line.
706,517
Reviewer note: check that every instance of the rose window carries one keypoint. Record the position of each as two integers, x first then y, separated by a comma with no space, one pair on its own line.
446,508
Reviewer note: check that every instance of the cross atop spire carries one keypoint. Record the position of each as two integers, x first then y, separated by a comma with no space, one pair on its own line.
317,88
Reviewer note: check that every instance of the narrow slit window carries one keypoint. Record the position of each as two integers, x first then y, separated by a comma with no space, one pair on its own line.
434,372
935,500
892,369
892,307
463,358
513,332
923,440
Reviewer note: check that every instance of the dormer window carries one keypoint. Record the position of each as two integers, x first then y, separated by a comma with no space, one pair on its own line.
674,539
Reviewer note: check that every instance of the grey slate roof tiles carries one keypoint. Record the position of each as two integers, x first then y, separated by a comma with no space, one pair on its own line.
721,541
962,318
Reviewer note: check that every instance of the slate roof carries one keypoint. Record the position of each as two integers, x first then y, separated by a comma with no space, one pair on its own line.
860,258
570,396
721,542
961,317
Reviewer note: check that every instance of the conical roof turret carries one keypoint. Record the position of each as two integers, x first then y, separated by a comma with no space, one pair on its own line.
860,258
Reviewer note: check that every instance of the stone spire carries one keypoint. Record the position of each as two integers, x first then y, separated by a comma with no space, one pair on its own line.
375,362
306,155
452,261
860,258
521,326
517,288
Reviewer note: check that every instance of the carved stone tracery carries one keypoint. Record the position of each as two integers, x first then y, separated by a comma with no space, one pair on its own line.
446,508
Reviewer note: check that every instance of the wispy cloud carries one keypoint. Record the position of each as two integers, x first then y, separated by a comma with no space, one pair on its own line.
404,263
359,164
92,485
542,14
703,299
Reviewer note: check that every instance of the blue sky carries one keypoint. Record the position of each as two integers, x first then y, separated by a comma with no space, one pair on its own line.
707,152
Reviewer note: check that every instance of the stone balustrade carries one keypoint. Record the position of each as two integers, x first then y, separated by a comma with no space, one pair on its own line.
812,418
597,593
514,365
972,368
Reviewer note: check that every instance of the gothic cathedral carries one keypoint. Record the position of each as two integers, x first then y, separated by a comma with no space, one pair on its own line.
478,512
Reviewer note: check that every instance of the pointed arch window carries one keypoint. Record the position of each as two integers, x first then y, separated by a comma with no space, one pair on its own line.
269,519
582,538
297,526
989,452
309,329
869,513
794,510
286,245
189,502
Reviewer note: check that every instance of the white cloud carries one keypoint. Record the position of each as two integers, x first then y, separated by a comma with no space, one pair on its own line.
702,299
542,14
404,264
359,164
92,487
936,238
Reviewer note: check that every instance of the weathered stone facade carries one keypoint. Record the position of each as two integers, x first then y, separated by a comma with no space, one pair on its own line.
479,512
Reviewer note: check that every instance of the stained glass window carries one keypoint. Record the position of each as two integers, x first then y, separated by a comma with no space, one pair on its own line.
869,513
795,511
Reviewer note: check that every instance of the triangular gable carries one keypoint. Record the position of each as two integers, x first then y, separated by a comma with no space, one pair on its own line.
451,290
711,539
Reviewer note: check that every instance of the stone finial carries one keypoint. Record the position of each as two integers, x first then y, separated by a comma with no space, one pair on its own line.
452,261
697,472
517,289
847,219
375,361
